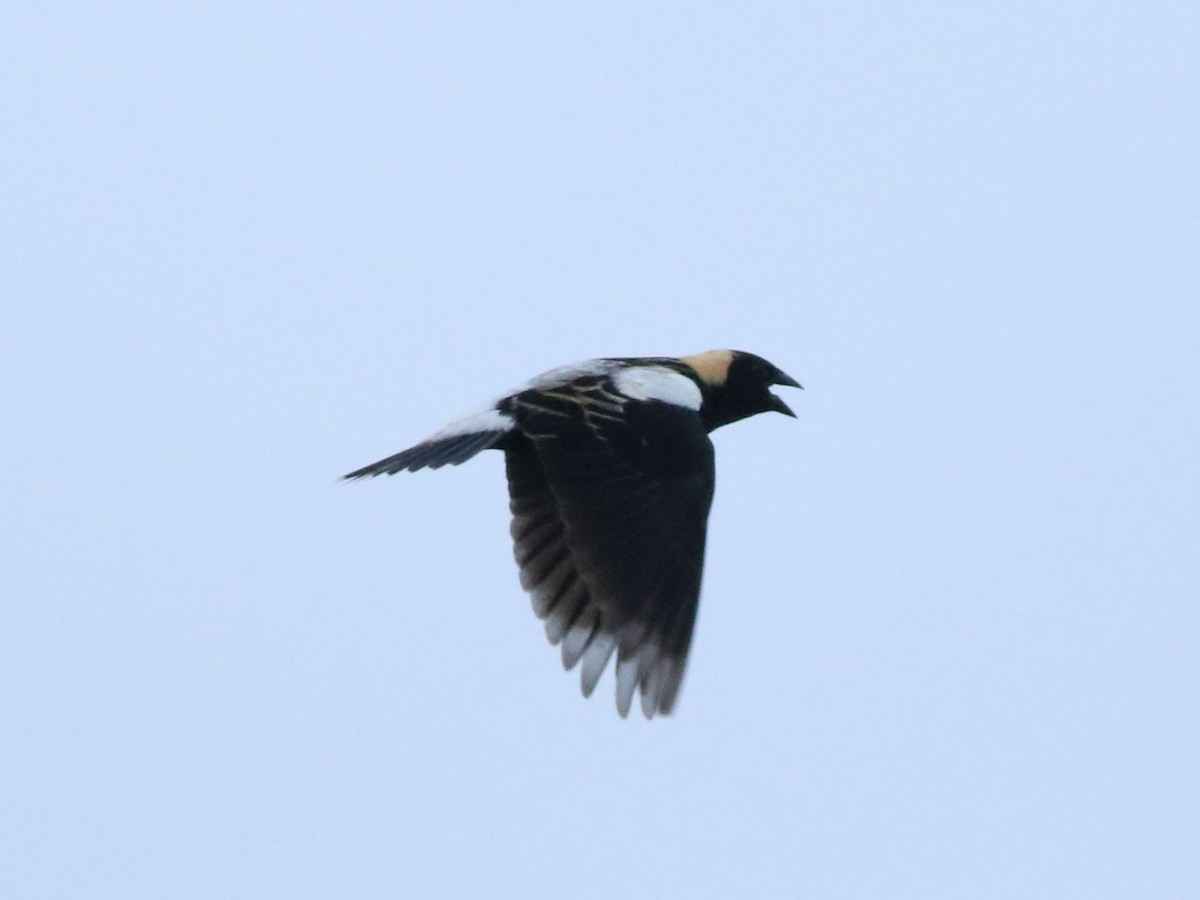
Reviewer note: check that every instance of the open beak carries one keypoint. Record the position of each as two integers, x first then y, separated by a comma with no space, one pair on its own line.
778,405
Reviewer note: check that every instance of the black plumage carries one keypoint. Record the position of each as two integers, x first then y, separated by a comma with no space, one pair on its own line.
610,475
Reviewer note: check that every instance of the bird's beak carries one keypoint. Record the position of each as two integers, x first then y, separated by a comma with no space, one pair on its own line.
786,380
778,405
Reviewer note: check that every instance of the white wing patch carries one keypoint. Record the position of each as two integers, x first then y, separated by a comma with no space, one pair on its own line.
566,374
658,383
493,420
637,382
488,420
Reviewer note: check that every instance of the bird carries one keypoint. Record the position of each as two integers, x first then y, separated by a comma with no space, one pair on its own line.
610,474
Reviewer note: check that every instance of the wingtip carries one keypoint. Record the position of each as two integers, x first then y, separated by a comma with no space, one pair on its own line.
365,472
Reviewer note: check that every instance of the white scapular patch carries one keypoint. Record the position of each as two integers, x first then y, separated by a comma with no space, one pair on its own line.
564,374
658,383
489,420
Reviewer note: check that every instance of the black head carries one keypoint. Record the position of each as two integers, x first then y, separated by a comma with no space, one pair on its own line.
737,385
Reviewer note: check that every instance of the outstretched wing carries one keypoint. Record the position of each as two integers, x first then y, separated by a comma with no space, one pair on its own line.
454,444
610,489
484,430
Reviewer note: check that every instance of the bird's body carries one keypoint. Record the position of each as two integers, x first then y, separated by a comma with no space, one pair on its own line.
610,478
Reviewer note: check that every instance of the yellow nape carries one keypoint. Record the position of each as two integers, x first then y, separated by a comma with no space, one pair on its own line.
712,366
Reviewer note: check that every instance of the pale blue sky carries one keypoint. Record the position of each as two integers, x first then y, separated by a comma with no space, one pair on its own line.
948,643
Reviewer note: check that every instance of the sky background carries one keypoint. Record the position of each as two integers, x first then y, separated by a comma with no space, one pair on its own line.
949,641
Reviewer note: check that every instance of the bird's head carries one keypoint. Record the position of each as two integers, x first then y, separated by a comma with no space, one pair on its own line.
736,385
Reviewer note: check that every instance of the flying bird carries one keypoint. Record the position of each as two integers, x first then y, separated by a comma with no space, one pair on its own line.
610,480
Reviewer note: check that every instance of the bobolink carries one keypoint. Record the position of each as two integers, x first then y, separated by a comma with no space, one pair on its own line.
610,480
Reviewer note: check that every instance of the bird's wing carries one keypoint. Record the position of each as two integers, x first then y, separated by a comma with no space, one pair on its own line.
610,496
454,444
483,430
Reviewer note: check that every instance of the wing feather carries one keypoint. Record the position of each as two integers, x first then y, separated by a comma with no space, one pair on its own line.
610,476
611,497
453,445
